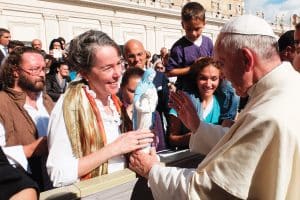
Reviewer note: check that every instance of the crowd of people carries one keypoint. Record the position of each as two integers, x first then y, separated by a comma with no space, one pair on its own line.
74,113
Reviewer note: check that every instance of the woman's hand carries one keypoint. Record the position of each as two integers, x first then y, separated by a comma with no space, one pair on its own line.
125,143
131,141
185,110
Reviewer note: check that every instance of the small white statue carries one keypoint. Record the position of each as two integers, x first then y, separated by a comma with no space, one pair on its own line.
145,102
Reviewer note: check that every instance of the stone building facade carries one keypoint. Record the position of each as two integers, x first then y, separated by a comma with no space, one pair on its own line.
155,22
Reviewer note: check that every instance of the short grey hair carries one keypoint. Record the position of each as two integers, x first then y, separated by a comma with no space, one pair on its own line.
264,46
82,49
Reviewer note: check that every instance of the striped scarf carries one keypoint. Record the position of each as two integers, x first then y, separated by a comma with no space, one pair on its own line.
84,124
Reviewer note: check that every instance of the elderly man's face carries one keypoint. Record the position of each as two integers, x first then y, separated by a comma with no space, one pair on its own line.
233,68
136,55
37,44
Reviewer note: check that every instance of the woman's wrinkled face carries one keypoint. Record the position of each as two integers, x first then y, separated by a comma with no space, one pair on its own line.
104,76
208,80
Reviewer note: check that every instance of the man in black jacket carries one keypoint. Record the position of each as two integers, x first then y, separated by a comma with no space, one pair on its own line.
13,183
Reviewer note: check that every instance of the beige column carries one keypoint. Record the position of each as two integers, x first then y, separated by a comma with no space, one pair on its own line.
2,19
158,38
117,32
51,28
65,30
106,26
150,38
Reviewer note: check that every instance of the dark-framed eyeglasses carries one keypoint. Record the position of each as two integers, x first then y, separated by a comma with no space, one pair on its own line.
34,71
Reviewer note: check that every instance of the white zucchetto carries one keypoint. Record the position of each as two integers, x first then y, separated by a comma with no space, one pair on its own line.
248,25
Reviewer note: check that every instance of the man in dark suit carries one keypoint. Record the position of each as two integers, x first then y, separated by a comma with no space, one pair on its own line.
13,183
4,40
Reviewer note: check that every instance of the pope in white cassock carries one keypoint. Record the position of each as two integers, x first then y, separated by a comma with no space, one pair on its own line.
259,156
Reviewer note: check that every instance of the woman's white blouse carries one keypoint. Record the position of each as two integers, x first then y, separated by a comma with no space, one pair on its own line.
62,165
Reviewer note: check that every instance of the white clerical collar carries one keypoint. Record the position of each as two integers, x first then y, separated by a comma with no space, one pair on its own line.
266,80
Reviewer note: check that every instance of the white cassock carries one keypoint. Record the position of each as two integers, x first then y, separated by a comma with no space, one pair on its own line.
258,157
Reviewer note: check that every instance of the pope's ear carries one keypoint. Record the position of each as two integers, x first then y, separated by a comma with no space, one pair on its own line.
248,58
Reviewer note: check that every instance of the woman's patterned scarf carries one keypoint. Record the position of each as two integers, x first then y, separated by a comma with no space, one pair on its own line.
84,123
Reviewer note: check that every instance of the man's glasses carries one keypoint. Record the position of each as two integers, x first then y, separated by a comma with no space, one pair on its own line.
34,71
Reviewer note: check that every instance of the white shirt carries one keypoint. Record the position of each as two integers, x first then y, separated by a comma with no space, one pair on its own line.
4,50
40,117
62,165
197,42
208,108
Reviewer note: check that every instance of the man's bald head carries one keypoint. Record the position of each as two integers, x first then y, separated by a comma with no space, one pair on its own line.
37,44
163,52
135,54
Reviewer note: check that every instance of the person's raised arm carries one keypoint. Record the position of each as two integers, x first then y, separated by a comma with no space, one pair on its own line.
185,110
204,136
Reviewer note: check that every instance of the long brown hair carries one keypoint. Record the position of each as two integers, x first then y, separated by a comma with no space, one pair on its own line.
198,66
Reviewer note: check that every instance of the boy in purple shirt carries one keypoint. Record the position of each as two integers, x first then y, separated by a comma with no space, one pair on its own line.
191,46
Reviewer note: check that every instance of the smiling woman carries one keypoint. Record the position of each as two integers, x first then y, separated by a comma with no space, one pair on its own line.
86,119
205,76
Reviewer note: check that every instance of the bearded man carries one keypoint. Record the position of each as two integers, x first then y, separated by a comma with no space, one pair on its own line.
24,113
